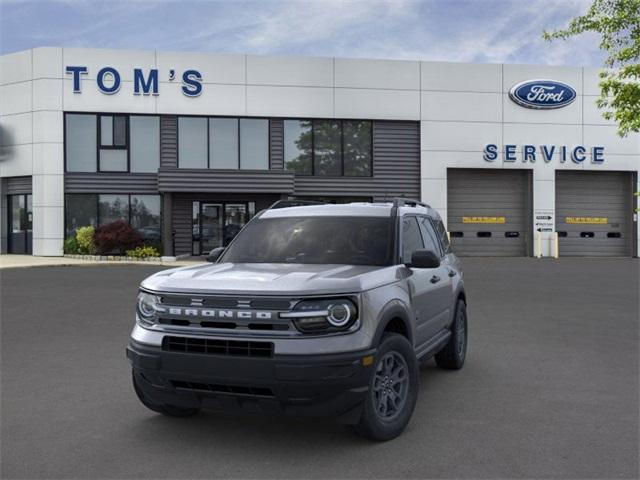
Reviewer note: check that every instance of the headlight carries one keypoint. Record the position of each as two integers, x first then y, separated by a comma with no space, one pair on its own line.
147,307
323,316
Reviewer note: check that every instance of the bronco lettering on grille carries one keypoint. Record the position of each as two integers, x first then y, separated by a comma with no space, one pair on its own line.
214,313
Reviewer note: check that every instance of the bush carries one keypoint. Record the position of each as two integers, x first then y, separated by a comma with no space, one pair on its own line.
71,245
85,242
116,238
143,252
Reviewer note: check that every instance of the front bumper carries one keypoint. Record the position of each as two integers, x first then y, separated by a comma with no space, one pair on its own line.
299,385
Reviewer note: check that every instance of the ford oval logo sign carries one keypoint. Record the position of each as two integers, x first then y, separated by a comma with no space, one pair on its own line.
542,94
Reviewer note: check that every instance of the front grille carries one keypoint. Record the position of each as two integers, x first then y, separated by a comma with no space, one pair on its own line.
265,325
209,346
229,389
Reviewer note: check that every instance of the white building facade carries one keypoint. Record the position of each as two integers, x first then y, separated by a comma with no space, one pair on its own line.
186,147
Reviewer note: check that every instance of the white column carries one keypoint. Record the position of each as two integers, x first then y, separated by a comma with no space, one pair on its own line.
48,153
544,201
433,182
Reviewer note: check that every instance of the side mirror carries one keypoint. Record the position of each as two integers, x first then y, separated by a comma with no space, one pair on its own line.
215,254
424,259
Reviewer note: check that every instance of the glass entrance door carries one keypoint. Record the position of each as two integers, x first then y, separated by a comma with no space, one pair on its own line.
216,224
210,227
20,223
235,216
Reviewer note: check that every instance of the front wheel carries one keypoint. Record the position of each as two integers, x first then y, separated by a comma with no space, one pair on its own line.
452,356
393,390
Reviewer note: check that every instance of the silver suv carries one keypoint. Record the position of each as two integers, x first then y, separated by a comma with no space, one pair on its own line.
321,310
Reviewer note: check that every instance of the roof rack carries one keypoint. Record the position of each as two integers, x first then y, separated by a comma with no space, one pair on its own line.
293,203
401,202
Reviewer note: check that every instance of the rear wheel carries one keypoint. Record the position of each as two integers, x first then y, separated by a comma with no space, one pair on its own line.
169,410
452,356
393,390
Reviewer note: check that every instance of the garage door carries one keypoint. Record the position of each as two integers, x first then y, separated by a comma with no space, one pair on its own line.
488,212
593,213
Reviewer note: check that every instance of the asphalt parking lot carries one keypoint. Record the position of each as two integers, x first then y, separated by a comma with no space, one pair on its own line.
550,388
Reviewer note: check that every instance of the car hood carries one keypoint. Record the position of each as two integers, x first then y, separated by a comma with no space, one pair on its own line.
271,279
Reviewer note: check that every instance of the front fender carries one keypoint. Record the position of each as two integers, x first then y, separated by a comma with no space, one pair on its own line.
394,309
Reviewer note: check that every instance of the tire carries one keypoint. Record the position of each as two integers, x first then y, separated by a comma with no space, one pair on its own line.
452,356
385,415
168,410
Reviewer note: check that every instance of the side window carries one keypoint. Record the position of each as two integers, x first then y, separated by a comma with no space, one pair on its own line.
430,237
411,238
444,238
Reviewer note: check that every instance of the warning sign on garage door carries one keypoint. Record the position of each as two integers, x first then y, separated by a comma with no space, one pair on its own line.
587,220
499,220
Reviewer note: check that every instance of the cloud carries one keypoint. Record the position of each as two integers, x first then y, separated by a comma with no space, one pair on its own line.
445,30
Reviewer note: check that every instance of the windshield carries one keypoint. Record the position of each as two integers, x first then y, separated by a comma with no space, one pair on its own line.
330,240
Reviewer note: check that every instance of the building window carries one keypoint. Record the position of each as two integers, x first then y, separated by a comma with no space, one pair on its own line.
254,144
223,143
80,142
145,143
297,146
112,143
80,211
329,147
145,217
112,208
142,212
192,142
357,148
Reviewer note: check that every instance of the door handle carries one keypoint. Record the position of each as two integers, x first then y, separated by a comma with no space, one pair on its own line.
435,279
452,273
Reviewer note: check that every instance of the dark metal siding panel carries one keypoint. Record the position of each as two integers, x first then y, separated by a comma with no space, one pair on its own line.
396,167
594,194
276,145
488,193
168,141
182,214
18,185
110,183
225,181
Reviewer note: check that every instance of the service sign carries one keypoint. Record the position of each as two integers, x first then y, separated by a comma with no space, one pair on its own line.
542,94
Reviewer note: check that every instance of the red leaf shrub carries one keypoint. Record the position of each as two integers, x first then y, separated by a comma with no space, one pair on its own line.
116,237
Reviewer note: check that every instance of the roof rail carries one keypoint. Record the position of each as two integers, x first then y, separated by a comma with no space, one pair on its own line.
401,202
293,203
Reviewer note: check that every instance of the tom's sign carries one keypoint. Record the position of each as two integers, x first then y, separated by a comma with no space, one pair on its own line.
108,80
542,94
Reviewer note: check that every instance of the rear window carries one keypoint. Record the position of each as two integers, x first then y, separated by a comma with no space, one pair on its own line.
314,240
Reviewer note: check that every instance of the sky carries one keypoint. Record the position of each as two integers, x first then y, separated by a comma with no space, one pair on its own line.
486,31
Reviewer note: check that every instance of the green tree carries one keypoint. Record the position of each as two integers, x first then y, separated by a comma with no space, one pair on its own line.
618,23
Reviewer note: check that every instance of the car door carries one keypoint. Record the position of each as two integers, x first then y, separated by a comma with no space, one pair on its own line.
440,307
423,288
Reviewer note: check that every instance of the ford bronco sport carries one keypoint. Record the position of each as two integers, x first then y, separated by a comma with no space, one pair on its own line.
320,310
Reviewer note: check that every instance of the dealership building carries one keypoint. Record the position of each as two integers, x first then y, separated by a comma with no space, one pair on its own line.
187,147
